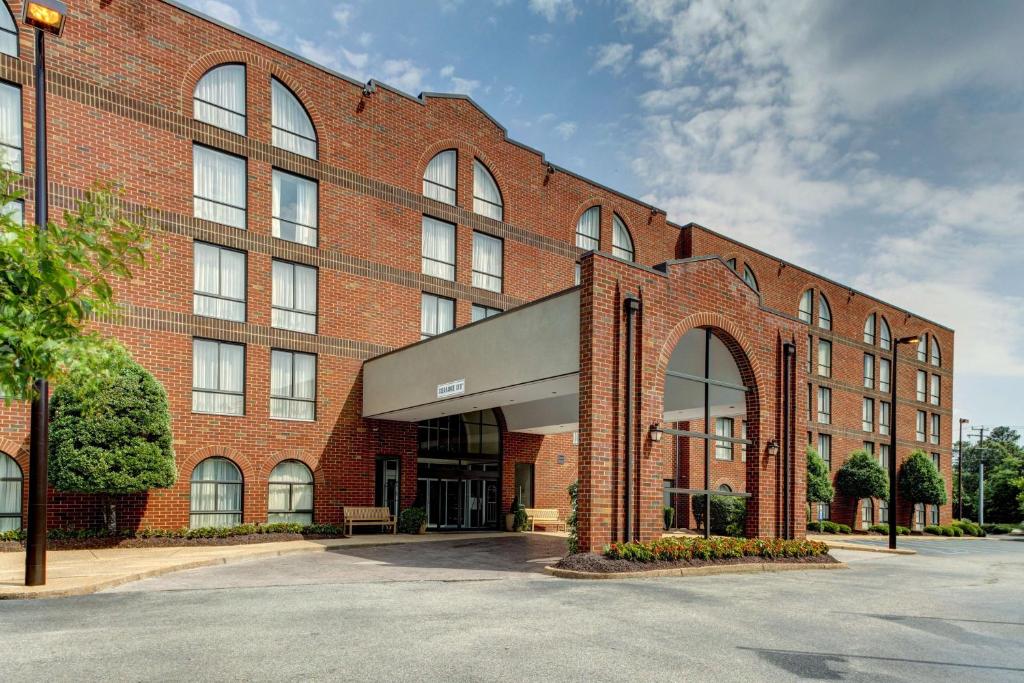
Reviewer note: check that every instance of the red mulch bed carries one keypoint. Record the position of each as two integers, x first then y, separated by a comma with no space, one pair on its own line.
93,543
595,562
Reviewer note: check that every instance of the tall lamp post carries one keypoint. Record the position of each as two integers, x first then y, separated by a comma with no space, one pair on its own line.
960,468
893,381
46,16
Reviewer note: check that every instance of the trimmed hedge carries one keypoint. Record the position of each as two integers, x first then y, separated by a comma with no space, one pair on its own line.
673,549
997,529
937,530
968,527
884,529
203,532
828,527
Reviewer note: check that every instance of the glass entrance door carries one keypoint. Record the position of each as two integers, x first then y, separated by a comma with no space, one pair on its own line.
459,494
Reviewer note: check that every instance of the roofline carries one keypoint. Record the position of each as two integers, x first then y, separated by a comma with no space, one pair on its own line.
829,280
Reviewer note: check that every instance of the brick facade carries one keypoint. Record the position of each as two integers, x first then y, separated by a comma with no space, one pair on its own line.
120,108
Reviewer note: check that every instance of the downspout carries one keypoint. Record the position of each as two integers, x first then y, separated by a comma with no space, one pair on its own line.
789,354
630,305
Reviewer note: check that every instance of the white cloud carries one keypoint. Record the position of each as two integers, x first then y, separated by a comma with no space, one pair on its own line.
541,38
552,9
342,14
614,57
365,39
220,11
565,129
667,98
404,75
447,71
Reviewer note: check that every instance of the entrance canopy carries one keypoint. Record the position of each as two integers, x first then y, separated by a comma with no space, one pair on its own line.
524,361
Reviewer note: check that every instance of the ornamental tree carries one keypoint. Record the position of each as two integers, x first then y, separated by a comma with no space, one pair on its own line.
920,481
819,484
862,477
113,438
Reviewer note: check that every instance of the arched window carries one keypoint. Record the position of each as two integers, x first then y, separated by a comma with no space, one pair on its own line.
10,493
726,488
806,303
922,348
884,334
869,330
8,32
749,278
486,195
290,498
439,178
622,243
10,127
824,313
216,496
471,434
588,229
936,354
219,98
731,263
291,126
867,513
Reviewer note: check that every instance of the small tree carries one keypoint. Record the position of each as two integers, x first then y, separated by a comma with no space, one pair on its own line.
112,439
862,477
920,481
572,523
819,484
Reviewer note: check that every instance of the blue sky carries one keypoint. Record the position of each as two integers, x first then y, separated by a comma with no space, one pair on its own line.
879,143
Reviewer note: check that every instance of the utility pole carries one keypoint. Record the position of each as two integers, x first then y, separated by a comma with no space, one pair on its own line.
981,474
960,467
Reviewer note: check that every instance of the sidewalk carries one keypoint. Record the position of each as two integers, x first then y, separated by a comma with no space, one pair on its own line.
79,572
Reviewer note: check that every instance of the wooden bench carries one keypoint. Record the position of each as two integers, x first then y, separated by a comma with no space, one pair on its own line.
544,517
368,516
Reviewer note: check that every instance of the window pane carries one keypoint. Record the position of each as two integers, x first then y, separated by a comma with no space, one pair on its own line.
220,98
486,197
487,262
437,315
622,242
824,314
869,330
294,297
886,335
588,229
439,180
806,300
218,181
219,282
295,208
10,126
292,129
869,371
438,257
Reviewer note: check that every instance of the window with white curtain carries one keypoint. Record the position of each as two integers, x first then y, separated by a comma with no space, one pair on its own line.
825,449
440,178
290,495
723,427
883,456
291,127
824,405
867,418
804,311
884,373
438,244
933,394
486,196
588,229
824,313
750,278
219,98
487,262
218,282
218,187
16,210
294,297
922,421
869,330
824,358
437,315
577,274
884,417
869,446
922,348
922,386
8,32
295,213
867,512
218,377
10,493
883,511
869,371
480,312
622,241
934,435
216,496
824,511
936,356
10,127
292,385
885,335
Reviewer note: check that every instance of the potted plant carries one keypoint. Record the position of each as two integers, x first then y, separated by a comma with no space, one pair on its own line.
413,520
669,514
516,519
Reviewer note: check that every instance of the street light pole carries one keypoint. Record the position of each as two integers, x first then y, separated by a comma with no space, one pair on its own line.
893,381
960,468
47,16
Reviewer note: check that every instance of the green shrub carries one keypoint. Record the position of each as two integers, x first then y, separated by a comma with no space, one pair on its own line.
728,514
819,481
968,527
997,529
957,531
884,529
571,522
843,529
862,477
675,549
933,529
411,519
829,527
668,513
184,533
520,518
920,482
902,531
814,526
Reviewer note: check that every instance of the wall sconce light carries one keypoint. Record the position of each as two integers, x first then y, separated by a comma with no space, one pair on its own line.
773,447
656,432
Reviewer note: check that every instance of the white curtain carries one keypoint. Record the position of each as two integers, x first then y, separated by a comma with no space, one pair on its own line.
216,494
438,248
824,313
10,126
220,98
294,297
622,243
294,208
219,282
292,385
588,229
8,33
219,187
869,329
439,178
805,306
292,128
750,279
936,356
486,197
281,374
437,315
217,367
10,493
487,262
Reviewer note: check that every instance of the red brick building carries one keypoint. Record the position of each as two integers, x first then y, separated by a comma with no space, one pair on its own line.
306,223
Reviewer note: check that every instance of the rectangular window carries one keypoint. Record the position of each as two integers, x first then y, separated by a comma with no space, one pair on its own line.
438,248
723,427
867,415
524,483
10,127
933,395
295,208
867,513
577,276
883,456
292,385
922,386
883,512
884,373
810,354
884,417
480,312
935,428
918,516
825,448
810,402
437,315
935,514
937,461
869,446
487,262
824,405
922,419
743,435
293,299
218,187
824,358
824,512
218,282
869,371
218,377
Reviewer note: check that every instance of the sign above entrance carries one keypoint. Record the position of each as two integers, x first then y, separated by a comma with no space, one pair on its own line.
451,388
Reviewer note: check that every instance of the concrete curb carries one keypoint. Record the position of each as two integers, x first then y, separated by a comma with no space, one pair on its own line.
751,568
841,545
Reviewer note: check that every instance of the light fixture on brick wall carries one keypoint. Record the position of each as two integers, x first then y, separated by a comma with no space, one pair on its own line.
656,432
46,15
773,447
